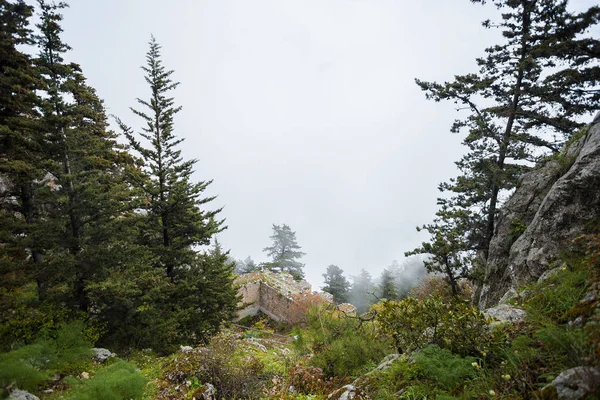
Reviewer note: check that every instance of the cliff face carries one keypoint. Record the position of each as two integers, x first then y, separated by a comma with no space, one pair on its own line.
550,207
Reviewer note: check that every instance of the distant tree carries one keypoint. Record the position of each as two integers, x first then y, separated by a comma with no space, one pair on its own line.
362,291
246,266
387,288
285,251
336,284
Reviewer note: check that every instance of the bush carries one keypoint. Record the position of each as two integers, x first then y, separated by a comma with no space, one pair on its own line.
119,381
444,368
58,351
454,325
343,346
234,373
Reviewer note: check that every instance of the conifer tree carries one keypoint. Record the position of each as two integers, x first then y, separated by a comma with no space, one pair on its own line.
285,251
176,222
524,103
19,146
387,285
362,291
336,284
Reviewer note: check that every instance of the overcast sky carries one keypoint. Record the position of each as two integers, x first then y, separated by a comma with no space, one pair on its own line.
304,112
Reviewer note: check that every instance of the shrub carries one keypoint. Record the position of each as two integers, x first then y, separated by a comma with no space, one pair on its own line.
62,350
454,325
119,381
342,345
223,363
444,368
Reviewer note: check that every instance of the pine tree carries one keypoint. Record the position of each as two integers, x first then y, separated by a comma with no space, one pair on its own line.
524,102
285,251
362,291
19,147
176,223
387,285
336,284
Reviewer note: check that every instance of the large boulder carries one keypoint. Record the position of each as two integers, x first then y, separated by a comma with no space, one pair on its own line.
504,313
550,207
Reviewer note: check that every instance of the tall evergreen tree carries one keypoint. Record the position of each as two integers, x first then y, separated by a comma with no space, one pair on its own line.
285,251
176,221
387,288
196,293
362,291
524,102
336,284
19,146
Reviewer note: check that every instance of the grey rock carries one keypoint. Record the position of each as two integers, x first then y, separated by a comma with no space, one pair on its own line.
589,297
509,295
575,383
554,202
186,349
576,323
210,393
101,354
22,395
346,393
548,274
387,362
506,313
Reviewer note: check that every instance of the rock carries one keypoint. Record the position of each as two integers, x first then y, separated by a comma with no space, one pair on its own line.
386,362
348,392
22,395
549,208
589,298
84,375
186,349
576,323
209,392
550,273
508,296
505,313
101,354
256,344
575,383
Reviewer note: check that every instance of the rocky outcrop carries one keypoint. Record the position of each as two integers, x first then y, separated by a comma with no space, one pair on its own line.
574,384
504,313
550,207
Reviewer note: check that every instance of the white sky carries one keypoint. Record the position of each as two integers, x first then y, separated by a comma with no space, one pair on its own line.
303,112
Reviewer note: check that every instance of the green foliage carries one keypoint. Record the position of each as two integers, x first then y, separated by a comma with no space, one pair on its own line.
234,371
285,251
343,346
516,229
118,381
557,295
62,350
443,367
453,325
336,284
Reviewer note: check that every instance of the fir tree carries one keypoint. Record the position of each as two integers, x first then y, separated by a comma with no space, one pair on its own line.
19,146
387,285
362,291
336,284
285,251
176,222
524,103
